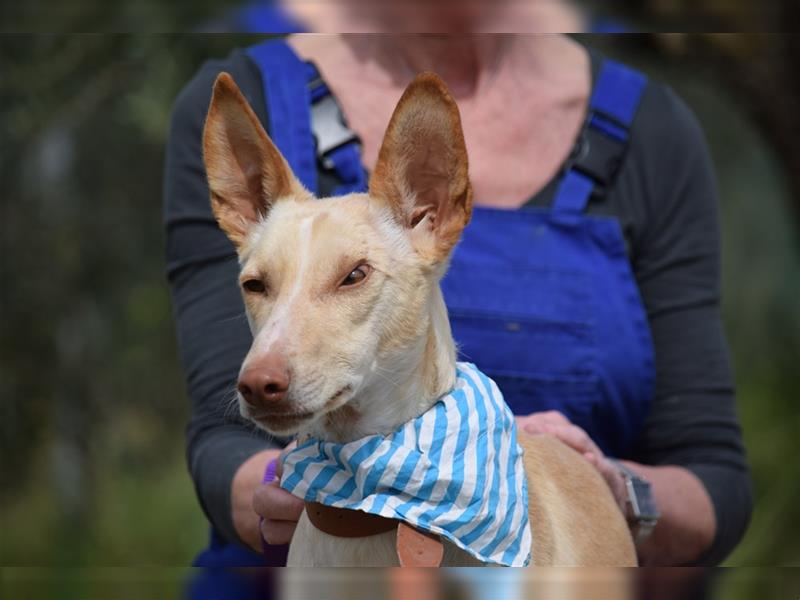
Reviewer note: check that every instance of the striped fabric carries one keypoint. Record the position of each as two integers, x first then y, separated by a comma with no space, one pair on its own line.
455,471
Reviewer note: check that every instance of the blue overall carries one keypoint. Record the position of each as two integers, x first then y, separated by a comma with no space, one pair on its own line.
542,300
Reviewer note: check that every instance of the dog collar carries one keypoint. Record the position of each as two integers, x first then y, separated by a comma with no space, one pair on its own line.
348,523
415,548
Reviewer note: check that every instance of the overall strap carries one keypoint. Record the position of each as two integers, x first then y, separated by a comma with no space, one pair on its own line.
338,147
286,91
305,121
604,139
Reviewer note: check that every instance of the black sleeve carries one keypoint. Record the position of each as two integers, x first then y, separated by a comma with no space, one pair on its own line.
202,269
675,254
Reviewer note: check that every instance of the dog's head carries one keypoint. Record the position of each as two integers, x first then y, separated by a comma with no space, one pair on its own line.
338,291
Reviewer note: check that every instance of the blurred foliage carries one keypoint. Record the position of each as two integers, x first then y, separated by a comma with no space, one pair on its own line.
93,409
108,16
89,374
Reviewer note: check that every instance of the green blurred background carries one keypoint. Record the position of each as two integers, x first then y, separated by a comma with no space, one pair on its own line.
93,406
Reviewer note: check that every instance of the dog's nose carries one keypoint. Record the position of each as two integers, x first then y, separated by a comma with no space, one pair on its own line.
265,382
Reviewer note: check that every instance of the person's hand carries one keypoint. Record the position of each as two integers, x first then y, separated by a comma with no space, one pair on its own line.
279,509
556,424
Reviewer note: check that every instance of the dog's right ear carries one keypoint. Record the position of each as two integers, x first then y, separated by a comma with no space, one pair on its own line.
246,172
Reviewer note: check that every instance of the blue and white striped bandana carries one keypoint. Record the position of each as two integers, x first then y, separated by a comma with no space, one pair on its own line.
455,471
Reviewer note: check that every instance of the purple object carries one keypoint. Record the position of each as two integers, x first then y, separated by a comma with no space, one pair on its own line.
274,555
269,472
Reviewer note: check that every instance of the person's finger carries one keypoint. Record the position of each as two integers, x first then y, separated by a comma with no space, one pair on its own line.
574,437
536,422
533,423
277,532
553,417
272,502
526,423
533,427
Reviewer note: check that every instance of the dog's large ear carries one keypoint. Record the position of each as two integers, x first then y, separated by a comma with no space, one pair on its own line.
422,167
246,172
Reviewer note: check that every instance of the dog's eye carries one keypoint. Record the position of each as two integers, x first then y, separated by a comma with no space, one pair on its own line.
357,275
254,286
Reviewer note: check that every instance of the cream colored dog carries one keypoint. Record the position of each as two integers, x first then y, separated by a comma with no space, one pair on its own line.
351,335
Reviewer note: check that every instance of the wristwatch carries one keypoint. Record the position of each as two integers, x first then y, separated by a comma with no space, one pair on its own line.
643,514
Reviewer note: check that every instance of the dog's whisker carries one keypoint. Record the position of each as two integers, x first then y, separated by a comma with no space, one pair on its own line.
239,316
254,429
230,404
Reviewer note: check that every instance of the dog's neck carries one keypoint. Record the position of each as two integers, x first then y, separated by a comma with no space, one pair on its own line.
400,386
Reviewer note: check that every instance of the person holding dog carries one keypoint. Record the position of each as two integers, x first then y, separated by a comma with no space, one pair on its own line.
607,335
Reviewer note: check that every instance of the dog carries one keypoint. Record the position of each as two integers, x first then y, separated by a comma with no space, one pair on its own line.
350,330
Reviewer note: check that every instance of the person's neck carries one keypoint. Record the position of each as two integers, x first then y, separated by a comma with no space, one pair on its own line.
465,62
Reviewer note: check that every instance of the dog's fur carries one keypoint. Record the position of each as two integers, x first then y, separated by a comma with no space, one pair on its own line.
370,352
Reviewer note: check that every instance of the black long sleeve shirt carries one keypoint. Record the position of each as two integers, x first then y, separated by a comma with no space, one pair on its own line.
665,199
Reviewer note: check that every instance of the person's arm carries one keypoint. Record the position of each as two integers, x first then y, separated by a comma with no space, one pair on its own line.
692,434
224,452
690,448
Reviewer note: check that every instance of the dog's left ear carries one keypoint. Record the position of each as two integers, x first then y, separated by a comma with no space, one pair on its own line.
422,169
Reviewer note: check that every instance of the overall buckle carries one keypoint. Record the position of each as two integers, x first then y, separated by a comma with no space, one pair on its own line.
330,129
597,154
